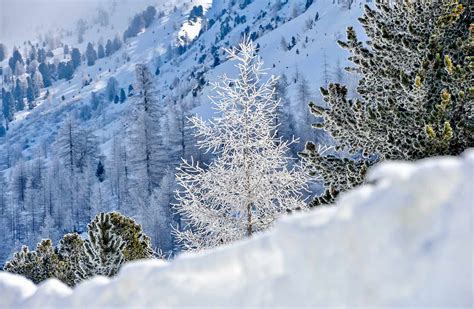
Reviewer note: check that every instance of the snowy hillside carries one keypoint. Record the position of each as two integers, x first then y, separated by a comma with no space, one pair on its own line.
42,196
404,240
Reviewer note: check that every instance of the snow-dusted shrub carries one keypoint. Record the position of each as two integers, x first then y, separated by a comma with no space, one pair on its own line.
103,250
249,184
414,95
137,244
113,240
70,252
38,265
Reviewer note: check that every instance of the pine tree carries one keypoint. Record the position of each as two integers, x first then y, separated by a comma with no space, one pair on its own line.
103,250
137,244
112,88
3,52
249,184
109,48
3,132
414,95
123,96
100,172
91,54
19,96
37,265
8,105
75,57
70,252
100,52
45,74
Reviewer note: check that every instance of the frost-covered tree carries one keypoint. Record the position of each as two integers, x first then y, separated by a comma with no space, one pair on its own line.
104,250
70,252
100,52
45,74
304,96
414,94
158,218
37,265
109,48
3,52
250,183
145,139
137,244
76,57
91,54
112,88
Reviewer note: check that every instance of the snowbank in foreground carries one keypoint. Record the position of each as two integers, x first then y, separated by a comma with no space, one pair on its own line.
405,240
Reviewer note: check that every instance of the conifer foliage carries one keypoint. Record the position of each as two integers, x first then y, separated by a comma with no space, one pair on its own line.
249,184
37,265
113,240
414,96
104,249
138,245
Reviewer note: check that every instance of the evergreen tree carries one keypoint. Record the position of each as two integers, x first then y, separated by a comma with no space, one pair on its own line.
103,250
15,59
100,172
45,74
117,44
109,48
123,96
112,88
30,94
76,57
149,15
3,132
37,265
100,52
3,52
19,96
71,253
413,95
8,105
91,55
137,244
249,184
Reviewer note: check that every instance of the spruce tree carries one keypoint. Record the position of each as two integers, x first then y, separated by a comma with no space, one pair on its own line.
45,73
91,54
414,94
75,57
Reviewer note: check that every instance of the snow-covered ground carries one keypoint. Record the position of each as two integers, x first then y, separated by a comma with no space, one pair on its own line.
403,239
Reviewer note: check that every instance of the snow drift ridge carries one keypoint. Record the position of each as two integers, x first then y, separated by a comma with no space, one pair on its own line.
405,239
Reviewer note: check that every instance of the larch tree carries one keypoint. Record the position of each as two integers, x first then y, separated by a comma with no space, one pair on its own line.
144,134
249,184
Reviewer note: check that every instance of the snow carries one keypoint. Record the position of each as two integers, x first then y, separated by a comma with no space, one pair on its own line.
405,239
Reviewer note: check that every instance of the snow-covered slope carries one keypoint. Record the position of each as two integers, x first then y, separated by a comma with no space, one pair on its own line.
405,239
189,54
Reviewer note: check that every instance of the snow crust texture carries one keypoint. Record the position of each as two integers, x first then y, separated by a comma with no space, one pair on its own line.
403,239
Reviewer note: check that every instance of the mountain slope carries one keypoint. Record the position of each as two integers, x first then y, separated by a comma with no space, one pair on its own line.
186,52
396,242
